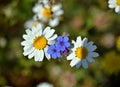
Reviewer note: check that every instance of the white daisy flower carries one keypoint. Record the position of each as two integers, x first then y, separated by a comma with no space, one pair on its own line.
31,23
45,84
82,53
114,4
48,14
37,42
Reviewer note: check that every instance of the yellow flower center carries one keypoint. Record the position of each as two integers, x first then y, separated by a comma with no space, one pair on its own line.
40,42
118,2
47,13
81,52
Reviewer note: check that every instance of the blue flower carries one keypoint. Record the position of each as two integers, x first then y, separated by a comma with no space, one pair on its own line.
62,42
54,51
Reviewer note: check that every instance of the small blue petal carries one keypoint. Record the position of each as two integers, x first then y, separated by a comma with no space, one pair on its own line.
67,44
54,56
59,38
66,38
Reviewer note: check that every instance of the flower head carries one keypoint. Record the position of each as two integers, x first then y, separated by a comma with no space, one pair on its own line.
114,4
37,42
82,52
54,51
62,43
47,13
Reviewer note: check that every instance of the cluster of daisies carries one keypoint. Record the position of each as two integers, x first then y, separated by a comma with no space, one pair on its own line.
41,42
46,13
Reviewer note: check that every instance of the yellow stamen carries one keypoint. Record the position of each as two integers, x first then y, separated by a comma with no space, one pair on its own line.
40,42
81,52
118,2
47,13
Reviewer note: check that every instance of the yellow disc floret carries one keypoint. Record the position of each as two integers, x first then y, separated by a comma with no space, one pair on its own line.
81,52
47,13
40,42
118,2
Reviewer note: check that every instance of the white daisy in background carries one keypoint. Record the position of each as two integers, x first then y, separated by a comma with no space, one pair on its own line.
31,23
114,4
45,84
47,13
82,53
37,42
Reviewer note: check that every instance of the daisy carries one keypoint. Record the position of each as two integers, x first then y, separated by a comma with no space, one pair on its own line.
37,42
82,52
114,4
47,13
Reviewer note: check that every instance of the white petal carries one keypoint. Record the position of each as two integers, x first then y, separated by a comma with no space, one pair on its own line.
85,40
53,37
111,6
79,41
28,51
28,31
50,33
37,55
117,9
23,43
71,56
32,54
73,42
93,54
54,22
79,64
46,54
90,59
56,7
39,30
74,62
51,42
47,29
40,16
25,36
27,47
89,44
37,8
39,26
41,54
58,13
45,1
84,63
91,48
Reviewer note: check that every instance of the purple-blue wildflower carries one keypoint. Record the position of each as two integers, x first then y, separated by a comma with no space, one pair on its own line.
54,51
62,42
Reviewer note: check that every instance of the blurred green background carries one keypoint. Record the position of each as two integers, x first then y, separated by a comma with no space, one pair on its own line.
87,18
